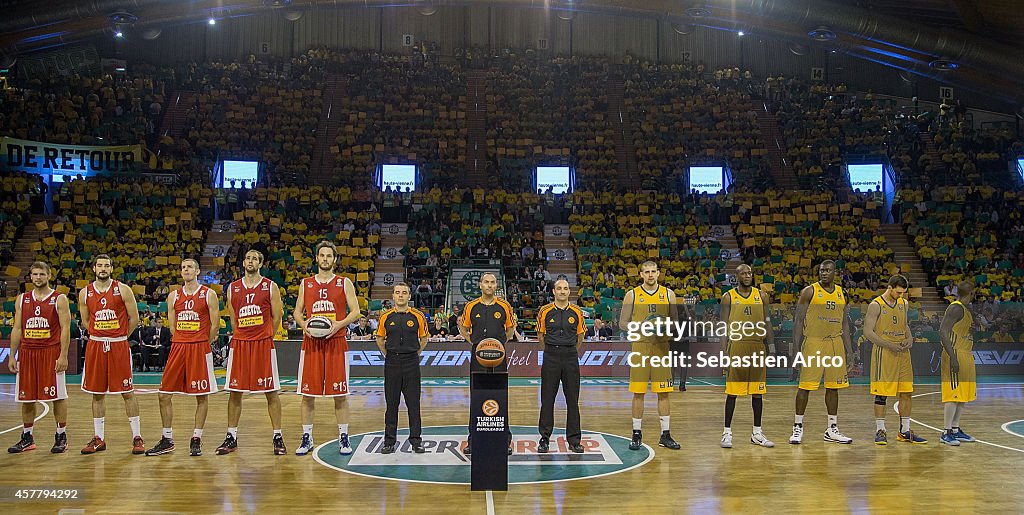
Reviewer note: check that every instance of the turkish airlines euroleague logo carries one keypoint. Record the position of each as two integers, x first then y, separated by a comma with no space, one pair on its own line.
491,407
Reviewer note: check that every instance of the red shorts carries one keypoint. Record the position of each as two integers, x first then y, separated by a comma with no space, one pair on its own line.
36,380
323,367
189,370
252,366
108,367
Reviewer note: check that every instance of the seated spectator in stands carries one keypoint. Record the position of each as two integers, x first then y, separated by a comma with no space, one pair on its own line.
599,331
438,329
361,330
424,295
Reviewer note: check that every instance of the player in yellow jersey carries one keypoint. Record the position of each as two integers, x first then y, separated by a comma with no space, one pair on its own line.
892,373
743,308
821,329
959,383
650,302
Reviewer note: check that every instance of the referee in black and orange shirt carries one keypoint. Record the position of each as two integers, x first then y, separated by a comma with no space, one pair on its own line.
560,329
401,336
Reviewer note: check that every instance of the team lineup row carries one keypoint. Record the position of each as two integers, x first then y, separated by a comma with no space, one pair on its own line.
40,340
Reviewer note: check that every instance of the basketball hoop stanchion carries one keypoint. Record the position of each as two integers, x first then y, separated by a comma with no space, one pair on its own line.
489,407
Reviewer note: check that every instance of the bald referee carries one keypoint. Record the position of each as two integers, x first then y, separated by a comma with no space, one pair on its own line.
560,329
401,336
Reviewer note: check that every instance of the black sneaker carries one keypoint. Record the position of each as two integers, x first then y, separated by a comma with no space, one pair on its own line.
388,448
25,444
637,442
509,450
467,451
667,441
542,447
165,446
60,443
418,448
195,446
576,447
279,448
230,445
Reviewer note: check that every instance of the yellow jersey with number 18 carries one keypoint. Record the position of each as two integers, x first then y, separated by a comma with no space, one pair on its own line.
650,306
825,314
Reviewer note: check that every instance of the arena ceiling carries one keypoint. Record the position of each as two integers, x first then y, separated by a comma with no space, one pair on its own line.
971,43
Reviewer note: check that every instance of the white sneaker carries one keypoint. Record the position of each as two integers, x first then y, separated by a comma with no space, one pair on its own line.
343,445
832,434
305,445
727,440
798,434
760,439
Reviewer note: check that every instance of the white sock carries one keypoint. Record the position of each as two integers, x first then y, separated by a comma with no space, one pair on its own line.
277,432
342,429
167,433
948,412
197,433
28,429
97,426
757,430
307,429
956,416
880,424
833,420
664,423
136,426
636,423
727,431
799,419
233,431
904,424
61,430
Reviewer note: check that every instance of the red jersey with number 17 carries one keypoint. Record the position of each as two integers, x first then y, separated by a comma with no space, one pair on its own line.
191,316
108,316
326,299
253,313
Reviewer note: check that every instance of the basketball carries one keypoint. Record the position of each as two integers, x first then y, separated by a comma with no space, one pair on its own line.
490,352
318,327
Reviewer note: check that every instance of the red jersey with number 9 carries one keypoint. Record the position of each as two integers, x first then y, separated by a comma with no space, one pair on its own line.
108,317
191,317
326,299
253,313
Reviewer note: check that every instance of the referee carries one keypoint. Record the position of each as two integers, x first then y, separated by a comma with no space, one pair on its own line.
560,329
401,336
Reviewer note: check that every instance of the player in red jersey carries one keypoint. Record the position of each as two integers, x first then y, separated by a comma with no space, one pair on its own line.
323,366
39,355
254,303
194,315
110,314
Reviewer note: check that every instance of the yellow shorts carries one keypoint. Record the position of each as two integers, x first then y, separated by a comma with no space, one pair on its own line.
811,376
746,380
962,387
660,378
891,372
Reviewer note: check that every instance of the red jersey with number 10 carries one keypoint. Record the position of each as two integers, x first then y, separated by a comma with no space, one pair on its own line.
40,325
253,313
108,316
191,316
326,299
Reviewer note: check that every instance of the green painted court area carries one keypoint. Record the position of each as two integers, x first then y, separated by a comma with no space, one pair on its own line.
153,379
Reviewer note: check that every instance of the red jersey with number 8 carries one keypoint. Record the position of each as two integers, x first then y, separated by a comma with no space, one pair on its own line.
108,317
326,299
40,325
191,316
253,313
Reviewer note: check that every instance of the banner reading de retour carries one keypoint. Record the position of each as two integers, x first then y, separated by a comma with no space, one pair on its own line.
57,159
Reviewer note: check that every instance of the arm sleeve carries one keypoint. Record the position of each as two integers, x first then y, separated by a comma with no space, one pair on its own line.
581,327
381,331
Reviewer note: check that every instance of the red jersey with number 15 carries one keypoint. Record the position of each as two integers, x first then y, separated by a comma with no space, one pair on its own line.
191,316
40,325
253,313
326,299
108,317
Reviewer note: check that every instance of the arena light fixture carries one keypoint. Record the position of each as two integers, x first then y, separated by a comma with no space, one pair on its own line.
697,11
944,65
212,21
822,33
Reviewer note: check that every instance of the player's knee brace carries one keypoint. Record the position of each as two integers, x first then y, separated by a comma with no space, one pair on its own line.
880,400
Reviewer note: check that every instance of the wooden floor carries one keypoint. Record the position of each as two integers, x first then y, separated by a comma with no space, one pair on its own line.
815,477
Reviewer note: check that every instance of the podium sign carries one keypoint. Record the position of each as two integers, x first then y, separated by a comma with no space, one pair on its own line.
489,410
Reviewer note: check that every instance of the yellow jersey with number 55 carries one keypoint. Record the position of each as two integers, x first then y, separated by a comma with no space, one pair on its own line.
825,314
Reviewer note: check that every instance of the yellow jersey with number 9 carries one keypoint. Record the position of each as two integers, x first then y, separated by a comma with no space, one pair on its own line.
892,321
825,314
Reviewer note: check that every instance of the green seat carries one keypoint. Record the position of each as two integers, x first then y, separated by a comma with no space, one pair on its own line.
375,305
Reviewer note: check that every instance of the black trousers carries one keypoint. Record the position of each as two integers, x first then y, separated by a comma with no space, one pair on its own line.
680,372
476,367
402,379
561,365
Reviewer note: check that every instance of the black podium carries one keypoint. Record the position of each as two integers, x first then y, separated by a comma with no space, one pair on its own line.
488,408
